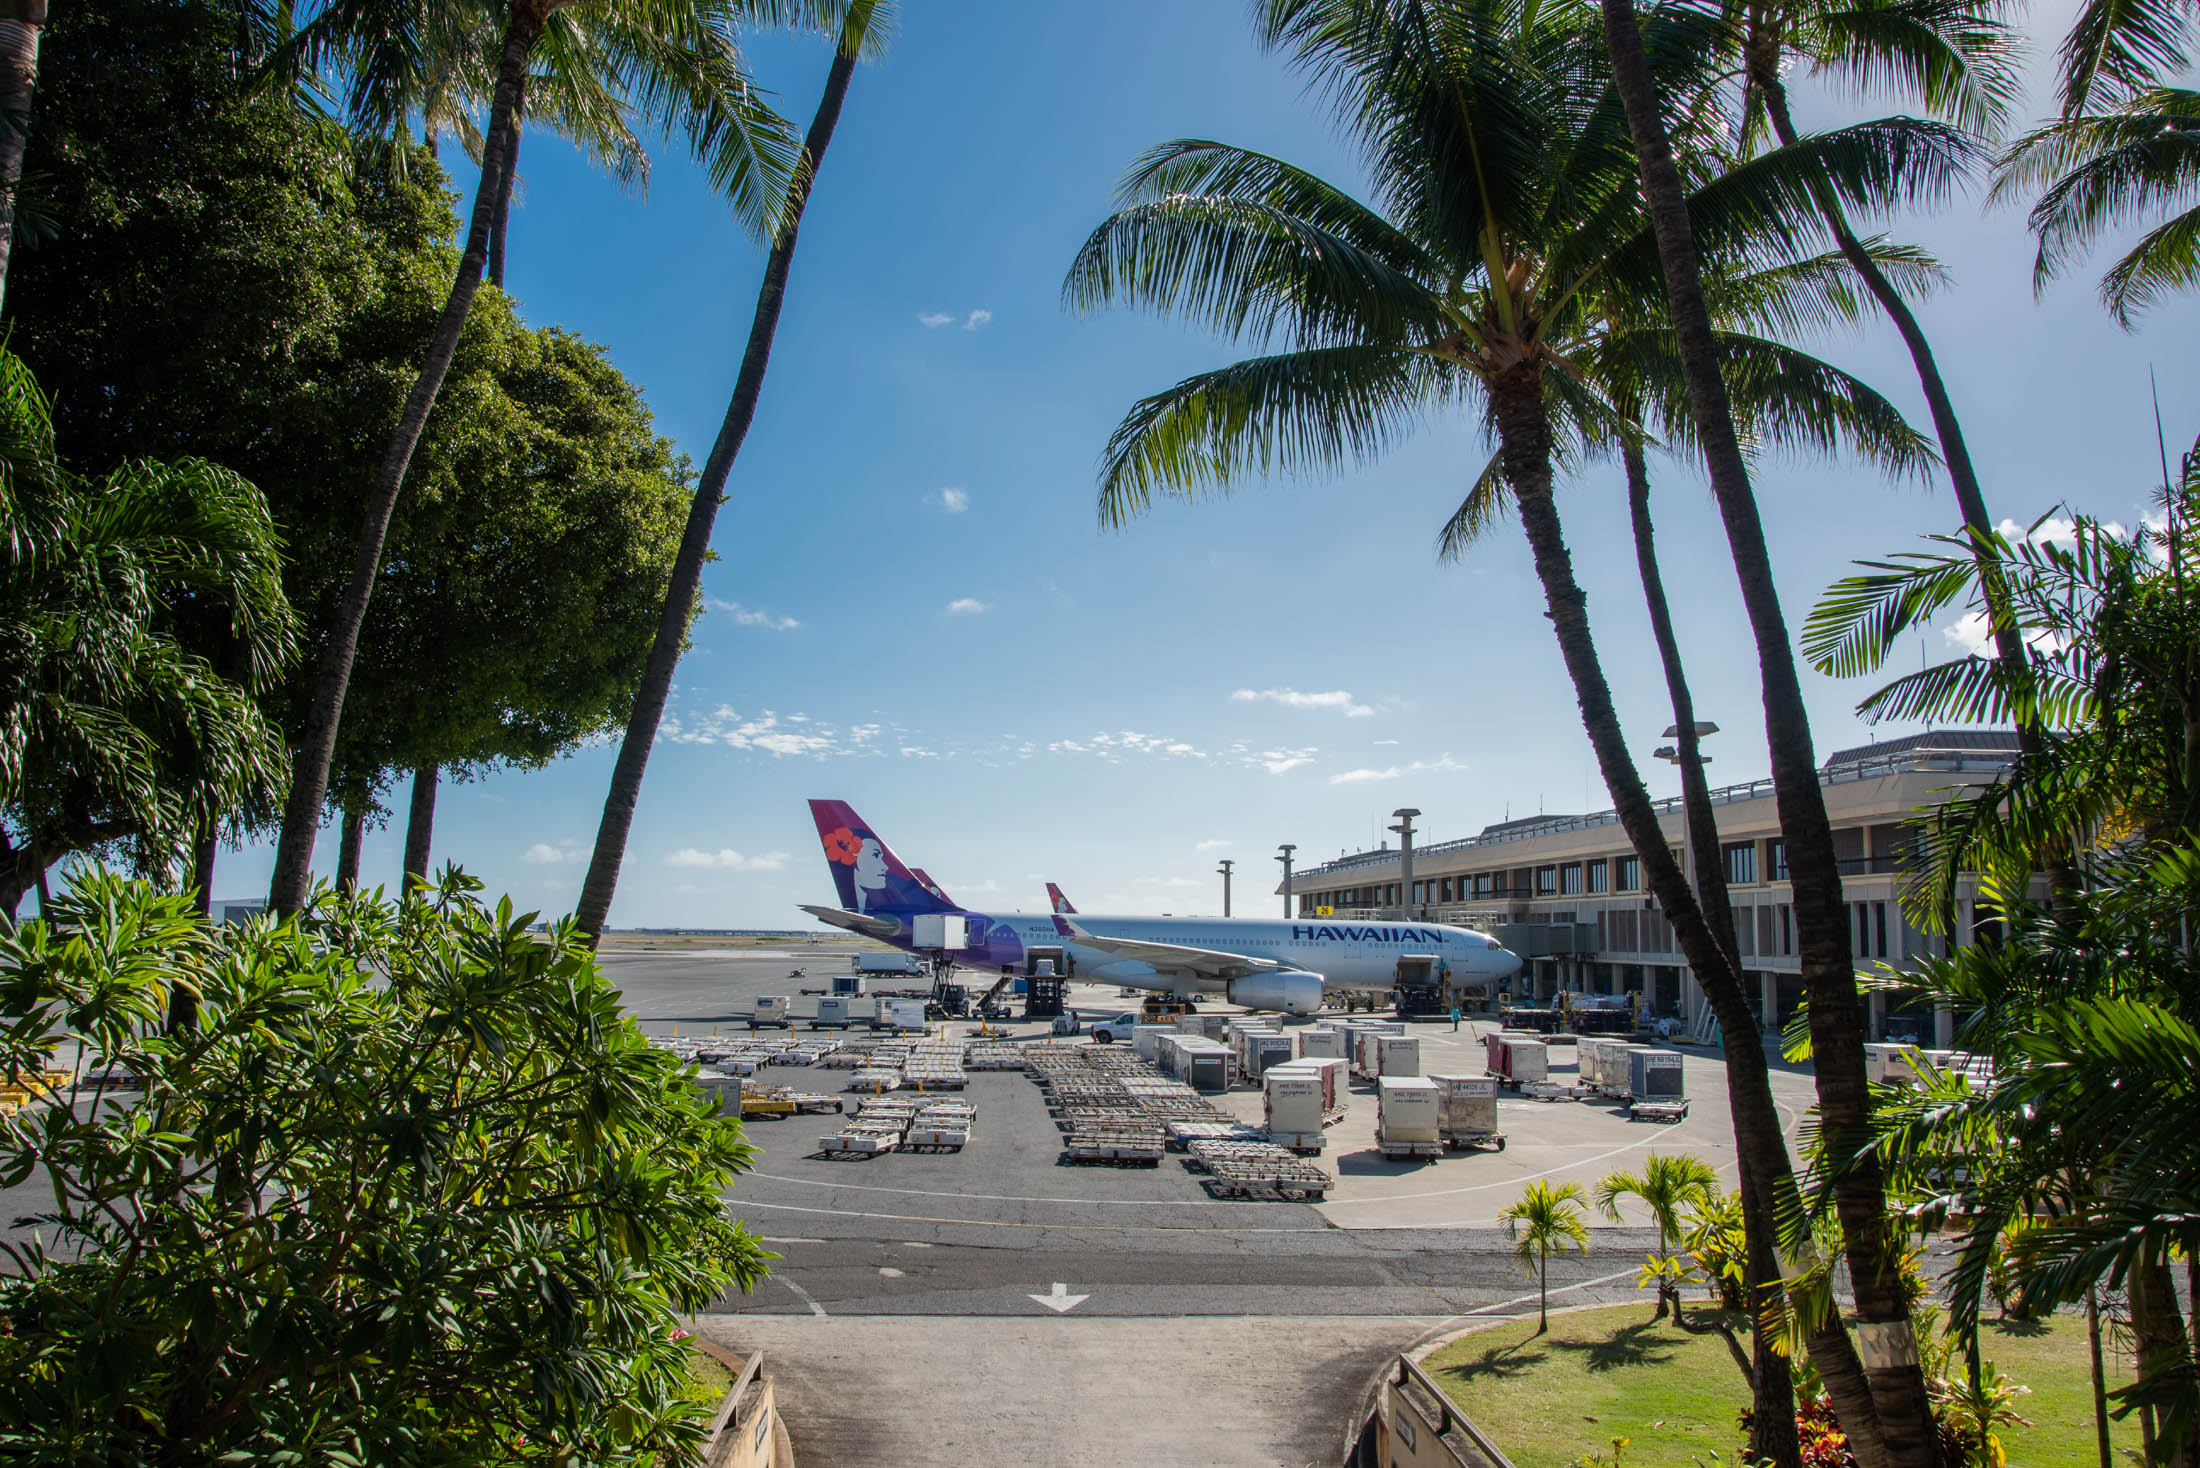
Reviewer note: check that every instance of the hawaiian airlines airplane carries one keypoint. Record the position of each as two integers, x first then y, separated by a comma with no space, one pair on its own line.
1057,901
1261,963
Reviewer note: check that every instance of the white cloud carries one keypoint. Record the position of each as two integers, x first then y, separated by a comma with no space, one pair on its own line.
764,731
1213,845
542,853
935,318
977,319
1291,698
950,501
746,617
726,859
964,606
1381,742
1283,764
1440,765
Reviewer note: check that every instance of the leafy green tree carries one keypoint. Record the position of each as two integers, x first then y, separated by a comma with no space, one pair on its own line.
235,281
1891,1421
113,731
414,1190
1543,1220
1667,1188
675,62
864,30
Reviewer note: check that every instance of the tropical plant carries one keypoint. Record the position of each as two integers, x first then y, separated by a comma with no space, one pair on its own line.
21,22
864,31
2135,158
1885,1408
677,63
116,730
1667,1187
1511,245
1545,1218
414,1189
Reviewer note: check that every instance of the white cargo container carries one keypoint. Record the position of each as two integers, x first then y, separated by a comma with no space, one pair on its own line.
773,1009
1329,1072
1890,1064
1146,1040
832,1013
1598,1067
940,930
1518,1061
1398,1055
896,962
900,1015
1467,1111
1294,1109
1407,1117
1320,1042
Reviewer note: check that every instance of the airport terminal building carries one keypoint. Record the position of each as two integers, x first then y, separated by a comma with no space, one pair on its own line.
1566,892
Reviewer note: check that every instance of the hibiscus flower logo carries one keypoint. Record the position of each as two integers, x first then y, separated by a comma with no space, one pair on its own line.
843,846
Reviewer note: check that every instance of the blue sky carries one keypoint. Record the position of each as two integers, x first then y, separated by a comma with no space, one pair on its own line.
914,608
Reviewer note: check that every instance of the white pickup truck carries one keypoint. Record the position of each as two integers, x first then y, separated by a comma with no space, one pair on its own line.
1116,1027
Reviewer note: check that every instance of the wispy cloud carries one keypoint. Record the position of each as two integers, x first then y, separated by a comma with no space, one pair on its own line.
796,735
930,319
751,617
963,606
977,319
1213,845
949,501
1441,765
1291,698
542,854
726,859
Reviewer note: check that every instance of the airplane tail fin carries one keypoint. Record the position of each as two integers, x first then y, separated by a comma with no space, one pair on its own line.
1058,901
866,873
924,879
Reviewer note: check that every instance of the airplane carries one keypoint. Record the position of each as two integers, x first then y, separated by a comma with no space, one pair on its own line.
924,880
1259,963
1057,901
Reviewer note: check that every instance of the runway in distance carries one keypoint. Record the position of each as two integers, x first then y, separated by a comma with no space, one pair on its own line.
1260,963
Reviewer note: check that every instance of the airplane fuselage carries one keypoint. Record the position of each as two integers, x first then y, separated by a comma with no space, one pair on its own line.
1347,955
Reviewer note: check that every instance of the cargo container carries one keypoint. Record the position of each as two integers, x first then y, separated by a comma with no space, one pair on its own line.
832,1013
1320,1042
1654,1075
1889,1064
848,985
1398,1055
1467,1111
1294,1109
1600,1062
1330,1073
773,1010
1407,1117
900,1015
1146,1040
1518,1061
896,962
1264,1051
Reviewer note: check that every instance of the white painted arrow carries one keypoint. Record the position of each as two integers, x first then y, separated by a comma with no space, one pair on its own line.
1061,1302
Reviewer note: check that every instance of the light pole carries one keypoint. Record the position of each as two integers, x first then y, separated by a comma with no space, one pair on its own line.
1285,857
1225,870
1404,828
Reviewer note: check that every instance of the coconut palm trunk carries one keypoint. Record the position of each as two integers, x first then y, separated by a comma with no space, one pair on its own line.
1772,1384
347,852
504,193
310,768
420,821
1524,448
21,21
1904,1416
1955,452
687,570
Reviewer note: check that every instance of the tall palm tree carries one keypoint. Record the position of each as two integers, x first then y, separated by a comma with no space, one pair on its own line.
863,34
1512,244
676,61
20,24
1545,1219
1895,1425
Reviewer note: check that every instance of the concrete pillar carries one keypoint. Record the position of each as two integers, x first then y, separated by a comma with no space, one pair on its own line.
1944,1027
1875,1016
1768,1001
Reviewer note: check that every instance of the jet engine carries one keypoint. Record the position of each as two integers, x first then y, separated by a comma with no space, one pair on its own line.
1294,991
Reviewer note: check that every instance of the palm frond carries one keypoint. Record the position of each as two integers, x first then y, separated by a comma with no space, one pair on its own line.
1488,498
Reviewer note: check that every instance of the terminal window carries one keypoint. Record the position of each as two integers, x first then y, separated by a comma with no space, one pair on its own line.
1569,878
1741,862
1776,860
1630,875
1600,875
1546,881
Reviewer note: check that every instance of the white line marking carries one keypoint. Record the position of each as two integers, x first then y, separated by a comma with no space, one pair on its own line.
1531,1299
1061,1302
768,1239
803,1295
1006,1197
1513,1182
1119,1228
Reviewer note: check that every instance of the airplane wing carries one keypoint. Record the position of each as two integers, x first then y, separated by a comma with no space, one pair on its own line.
1208,963
854,922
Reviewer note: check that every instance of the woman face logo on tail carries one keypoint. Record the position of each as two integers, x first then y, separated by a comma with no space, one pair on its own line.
870,874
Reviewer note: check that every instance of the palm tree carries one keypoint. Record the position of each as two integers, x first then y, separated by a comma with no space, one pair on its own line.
1894,1424
1546,1218
2106,168
863,34
20,23
1666,1188
675,62
1513,245
113,729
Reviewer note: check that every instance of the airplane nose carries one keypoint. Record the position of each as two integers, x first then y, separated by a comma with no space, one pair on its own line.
1514,959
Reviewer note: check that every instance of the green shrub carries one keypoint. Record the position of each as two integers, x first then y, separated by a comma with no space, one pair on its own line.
411,1190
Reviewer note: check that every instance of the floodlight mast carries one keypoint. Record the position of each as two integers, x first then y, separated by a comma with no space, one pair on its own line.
1407,908
1225,870
1284,855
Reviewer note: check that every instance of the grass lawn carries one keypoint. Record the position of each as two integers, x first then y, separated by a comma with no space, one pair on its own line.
1601,1374
707,1379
